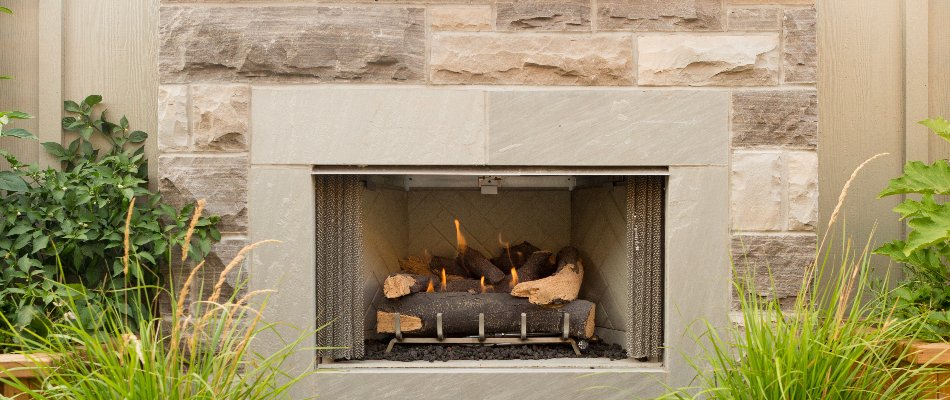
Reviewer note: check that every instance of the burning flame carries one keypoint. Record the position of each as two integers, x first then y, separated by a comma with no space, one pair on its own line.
507,246
483,284
514,277
430,288
443,279
459,238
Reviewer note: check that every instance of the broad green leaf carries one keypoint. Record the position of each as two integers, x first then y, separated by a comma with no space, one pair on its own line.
18,230
921,178
86,132
16,114
24,315
912,208
71,106
18,133
92,100
40,243
928,229
55,149
138,136
939,126
12,182
6,10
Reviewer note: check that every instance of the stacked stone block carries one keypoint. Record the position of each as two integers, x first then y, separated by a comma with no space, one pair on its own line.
762,53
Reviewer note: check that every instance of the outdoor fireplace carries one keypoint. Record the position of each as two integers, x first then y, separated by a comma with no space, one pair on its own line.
384,172
489,257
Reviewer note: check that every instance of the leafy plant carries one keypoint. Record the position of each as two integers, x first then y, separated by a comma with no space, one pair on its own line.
68,225
821,349
925,252
204,355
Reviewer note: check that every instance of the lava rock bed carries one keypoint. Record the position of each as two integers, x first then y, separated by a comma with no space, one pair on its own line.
376,350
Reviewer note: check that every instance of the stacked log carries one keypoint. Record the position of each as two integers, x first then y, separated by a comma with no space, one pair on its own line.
462,287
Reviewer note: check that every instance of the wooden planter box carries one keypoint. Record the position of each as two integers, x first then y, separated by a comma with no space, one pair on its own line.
934,355
20,366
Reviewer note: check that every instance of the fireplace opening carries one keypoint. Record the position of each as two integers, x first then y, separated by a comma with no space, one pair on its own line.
450,263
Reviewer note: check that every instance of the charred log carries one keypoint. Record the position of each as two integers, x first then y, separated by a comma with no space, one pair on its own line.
560,288
477,266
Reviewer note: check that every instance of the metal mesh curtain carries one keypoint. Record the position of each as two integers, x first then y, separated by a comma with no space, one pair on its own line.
339,275
645,262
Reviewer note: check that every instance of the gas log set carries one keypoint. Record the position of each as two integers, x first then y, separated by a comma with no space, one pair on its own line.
523,295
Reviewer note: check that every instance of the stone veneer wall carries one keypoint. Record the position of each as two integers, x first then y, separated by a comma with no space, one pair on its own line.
762,52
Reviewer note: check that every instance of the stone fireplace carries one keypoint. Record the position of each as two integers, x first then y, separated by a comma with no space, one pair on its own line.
715,98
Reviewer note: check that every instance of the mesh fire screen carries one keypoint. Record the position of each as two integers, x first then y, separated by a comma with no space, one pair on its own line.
645,263
339,276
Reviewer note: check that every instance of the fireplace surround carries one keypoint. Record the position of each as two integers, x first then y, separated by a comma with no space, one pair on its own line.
427,128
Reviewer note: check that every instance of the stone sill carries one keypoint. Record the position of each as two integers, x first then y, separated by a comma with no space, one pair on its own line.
559,364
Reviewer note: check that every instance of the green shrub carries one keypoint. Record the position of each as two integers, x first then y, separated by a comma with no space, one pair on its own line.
925,292
67,226
204,355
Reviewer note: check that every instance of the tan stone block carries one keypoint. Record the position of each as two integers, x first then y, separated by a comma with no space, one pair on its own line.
220,180
775,264
460,18
543,15
221,115
690,60
173,131
292,43
758,192
770,1
754,19
775,118
550,59
800,47
660,15
802,190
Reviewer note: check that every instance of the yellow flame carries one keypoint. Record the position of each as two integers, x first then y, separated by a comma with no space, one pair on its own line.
459,238
443,279
514,277
483,284
430,288
507,246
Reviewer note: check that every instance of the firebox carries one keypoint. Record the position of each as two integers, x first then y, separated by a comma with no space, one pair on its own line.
483,260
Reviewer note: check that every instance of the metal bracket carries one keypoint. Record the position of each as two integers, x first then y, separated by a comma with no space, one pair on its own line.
481,326
438,327
524,326
482,338
489,184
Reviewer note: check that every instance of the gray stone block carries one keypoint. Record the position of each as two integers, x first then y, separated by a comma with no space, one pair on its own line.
623,127
360,125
